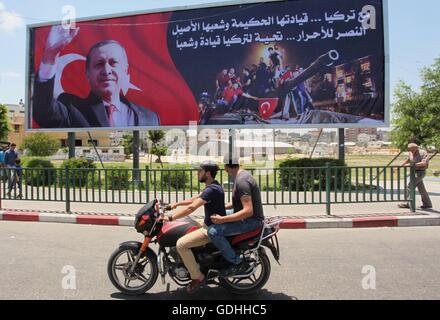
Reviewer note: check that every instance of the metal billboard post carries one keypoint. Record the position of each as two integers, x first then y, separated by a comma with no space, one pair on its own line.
71,144
136,172
341,144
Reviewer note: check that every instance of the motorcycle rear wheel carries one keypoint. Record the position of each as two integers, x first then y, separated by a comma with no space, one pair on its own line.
253,282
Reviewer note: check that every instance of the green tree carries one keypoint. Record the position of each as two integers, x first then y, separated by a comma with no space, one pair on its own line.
159,152
41,145
431,90
156,137
127,143
416,114
4,123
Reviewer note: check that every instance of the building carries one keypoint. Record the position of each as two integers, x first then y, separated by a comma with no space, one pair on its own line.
383,135
283,136
352,134
114,154
16,114
295,136
16,121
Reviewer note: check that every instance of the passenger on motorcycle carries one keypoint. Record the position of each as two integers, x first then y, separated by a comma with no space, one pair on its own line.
213,199
248,215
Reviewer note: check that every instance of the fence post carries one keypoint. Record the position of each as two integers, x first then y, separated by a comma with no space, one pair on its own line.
147,182
412,187
328,187
66,174
1,185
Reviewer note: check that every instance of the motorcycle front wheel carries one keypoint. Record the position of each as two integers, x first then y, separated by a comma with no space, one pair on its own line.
132,283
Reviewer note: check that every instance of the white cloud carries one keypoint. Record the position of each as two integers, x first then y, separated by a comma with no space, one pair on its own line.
9,77
10,74
9,20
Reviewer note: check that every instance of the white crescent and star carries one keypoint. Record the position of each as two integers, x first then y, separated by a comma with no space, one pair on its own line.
265,106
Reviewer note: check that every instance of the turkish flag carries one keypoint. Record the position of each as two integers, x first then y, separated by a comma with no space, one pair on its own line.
156,82
267,107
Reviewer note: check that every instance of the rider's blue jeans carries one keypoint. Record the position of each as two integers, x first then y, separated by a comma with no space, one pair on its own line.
217,233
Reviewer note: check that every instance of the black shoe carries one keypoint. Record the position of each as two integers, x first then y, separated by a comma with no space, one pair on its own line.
233,270
195,285
425,207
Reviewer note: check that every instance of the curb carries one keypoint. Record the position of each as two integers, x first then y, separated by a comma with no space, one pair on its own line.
288,224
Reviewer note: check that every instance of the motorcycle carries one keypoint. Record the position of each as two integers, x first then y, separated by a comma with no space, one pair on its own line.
133,268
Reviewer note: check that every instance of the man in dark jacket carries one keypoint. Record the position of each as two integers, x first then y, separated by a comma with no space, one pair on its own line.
106,105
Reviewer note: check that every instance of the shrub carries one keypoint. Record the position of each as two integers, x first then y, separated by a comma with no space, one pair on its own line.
116,179
305,180
80,170
41,172
173,179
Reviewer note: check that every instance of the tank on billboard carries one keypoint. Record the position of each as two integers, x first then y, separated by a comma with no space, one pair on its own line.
277,64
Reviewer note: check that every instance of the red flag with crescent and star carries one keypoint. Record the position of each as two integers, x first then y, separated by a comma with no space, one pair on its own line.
267,107
155,82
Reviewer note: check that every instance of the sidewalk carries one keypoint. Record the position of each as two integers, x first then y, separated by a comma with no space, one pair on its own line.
364,221
295,216
386,215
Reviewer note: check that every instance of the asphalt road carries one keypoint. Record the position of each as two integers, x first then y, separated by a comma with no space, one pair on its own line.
316,264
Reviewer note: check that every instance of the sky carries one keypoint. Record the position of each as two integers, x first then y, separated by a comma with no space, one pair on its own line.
414,34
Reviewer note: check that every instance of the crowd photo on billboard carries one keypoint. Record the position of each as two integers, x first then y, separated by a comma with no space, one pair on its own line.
281,63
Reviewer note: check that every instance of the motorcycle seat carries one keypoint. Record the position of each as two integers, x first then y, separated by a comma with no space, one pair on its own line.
245,236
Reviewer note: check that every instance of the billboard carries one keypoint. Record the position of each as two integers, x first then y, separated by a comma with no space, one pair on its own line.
278,64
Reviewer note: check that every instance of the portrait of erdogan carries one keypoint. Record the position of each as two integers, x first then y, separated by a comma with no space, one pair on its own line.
107,71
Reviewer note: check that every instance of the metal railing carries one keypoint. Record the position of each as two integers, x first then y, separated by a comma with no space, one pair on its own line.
279,186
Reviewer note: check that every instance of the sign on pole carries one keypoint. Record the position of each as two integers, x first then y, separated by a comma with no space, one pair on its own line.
277,64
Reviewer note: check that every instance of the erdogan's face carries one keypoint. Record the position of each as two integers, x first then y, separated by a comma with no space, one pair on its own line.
108,70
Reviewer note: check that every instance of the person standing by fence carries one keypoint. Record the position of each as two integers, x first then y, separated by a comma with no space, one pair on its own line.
420,158
16,175
2,163
10,156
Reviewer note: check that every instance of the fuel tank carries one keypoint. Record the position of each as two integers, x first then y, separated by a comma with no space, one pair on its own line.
173,231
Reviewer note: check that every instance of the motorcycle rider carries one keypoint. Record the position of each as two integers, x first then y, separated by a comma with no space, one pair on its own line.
213,199
248,215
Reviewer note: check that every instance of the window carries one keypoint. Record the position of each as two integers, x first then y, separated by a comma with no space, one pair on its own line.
95,142
17,128
115,151
78,143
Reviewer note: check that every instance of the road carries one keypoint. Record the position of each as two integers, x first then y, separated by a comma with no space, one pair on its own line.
316,264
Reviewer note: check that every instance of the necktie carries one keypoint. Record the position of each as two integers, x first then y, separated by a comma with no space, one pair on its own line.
110,109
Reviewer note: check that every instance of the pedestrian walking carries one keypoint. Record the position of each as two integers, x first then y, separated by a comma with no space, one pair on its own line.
420,158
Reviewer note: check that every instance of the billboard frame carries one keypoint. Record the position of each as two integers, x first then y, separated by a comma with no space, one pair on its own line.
387,95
